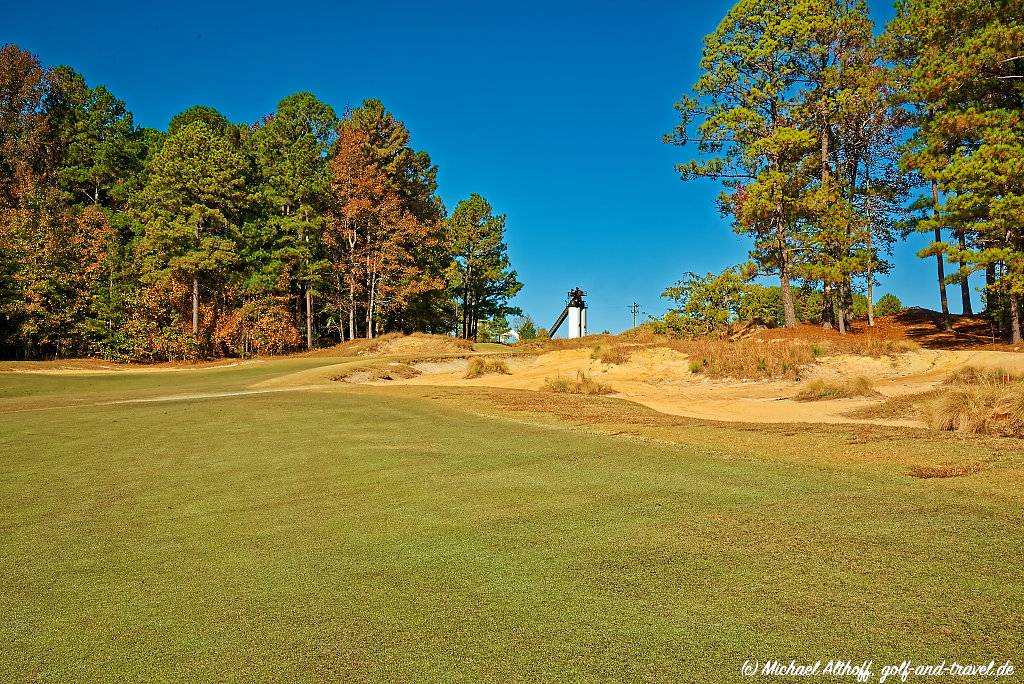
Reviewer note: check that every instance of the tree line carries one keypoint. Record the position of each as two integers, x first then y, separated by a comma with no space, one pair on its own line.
832,140
214,238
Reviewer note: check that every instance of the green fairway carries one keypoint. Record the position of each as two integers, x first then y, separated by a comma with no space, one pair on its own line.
365,534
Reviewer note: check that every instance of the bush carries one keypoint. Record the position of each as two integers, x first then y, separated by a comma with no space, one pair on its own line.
583,384
888,305
818,390
479,367
526,328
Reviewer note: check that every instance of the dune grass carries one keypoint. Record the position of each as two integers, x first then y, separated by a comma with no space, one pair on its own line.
747,359
612,354
479,367
844,388
372,534
985,409
582,384
983,376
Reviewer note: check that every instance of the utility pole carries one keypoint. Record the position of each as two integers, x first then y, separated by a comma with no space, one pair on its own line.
634,308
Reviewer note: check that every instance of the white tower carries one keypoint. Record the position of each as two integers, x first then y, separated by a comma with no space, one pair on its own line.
576,313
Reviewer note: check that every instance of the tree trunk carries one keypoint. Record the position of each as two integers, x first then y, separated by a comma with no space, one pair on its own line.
965,278
828,314
990,281
195,306
195,293
788,310
871,286
946,325
841,306
871,255
1015,326
309,317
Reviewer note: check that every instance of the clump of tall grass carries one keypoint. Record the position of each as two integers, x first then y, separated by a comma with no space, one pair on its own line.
862,345
926,472
818,390
748,359
583,384
611,354
479,367
984,409
377,372
975,375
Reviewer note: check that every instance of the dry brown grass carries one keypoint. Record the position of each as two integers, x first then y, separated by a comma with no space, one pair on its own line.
975,375
861,345
979,409
378,372
397,343
479,367
818,390
747,359
874,343
583,384
896,408
612,354
926,472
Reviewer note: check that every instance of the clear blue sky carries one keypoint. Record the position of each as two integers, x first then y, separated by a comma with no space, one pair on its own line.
554,111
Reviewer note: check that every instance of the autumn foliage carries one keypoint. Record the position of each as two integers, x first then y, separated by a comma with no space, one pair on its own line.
212,238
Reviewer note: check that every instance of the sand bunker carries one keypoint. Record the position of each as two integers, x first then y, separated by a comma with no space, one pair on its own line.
660,378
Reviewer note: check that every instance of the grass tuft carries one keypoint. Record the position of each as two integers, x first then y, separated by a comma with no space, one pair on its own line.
979,409
583,384
748,359
479,367
818,390
975,375
611,355
926,472
375,373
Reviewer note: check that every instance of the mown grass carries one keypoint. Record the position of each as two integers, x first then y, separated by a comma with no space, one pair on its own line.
374,534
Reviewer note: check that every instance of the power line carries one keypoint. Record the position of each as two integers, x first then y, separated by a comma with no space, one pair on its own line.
634,307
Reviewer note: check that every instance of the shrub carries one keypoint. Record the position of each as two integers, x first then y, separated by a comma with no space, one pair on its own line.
479,367
583,384
817,390
888,305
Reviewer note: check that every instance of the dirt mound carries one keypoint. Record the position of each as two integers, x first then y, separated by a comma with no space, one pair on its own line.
397,344
922,327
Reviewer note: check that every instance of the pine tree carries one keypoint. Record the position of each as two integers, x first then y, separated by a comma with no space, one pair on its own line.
190,208
964,64
482,276
743,120
290,151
